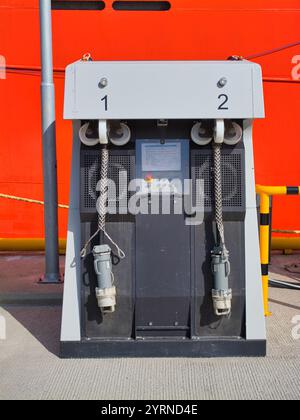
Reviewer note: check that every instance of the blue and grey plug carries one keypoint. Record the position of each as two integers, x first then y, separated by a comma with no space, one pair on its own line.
221,293
106,291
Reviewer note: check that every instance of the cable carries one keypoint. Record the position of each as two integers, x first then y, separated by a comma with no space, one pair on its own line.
283,284
37,69
292,232
279,80
103,189
219,196
220,265
273,51
29,200
32,70
265,53
101,206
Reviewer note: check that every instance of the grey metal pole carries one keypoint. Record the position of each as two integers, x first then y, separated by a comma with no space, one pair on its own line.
52,274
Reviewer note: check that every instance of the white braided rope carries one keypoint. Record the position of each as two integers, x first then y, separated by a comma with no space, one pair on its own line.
102,205
219,196
103,189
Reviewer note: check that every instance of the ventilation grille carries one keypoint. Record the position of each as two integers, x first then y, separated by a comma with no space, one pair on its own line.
232,179
121,172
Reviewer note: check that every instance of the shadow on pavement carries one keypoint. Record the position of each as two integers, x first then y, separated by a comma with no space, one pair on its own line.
42,322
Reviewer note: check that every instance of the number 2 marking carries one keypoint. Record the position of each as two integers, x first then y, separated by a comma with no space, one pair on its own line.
225,99
105,100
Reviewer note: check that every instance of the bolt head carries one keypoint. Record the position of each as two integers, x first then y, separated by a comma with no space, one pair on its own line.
103,83
222,82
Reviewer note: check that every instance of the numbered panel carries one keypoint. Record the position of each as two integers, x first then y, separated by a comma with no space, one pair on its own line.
170,90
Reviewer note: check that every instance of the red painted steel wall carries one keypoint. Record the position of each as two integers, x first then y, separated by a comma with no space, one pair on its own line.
192,29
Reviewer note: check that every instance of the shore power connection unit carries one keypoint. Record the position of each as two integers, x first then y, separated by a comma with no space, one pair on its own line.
163,249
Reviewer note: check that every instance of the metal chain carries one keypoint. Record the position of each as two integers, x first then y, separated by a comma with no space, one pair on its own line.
219,195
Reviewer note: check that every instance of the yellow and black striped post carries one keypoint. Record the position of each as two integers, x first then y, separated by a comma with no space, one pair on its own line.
264,247
265,194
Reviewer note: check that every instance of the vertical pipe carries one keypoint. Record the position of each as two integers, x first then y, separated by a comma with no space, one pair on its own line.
49,147
264,247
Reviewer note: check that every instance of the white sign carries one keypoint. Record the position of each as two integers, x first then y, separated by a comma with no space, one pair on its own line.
163,157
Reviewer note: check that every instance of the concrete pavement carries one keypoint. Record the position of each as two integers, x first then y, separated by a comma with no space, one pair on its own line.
31,369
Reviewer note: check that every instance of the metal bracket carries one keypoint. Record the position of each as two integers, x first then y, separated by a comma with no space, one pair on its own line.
103,131
219,131
51,279
162,123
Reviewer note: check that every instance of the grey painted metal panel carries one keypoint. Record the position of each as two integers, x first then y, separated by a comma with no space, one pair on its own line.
163,90
163,278
255,320
71,314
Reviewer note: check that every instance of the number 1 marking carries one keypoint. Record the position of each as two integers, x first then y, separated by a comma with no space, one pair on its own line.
105,100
